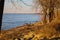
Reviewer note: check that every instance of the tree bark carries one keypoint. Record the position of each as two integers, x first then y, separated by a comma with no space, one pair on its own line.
51,11
57,12
45,19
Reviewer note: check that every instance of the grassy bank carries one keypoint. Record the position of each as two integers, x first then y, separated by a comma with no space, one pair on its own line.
34,31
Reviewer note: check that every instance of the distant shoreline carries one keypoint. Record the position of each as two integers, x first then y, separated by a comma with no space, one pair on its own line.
24,13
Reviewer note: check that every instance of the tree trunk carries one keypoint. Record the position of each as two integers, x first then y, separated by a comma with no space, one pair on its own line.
57,12
51,11
45,14
1,11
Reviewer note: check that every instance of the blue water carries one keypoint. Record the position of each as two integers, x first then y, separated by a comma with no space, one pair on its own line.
13,20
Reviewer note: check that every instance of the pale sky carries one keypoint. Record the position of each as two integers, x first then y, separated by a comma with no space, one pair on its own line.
18,7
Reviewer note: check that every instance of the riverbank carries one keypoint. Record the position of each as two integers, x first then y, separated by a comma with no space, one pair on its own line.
34,31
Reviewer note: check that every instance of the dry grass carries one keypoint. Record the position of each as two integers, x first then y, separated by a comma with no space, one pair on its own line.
34,31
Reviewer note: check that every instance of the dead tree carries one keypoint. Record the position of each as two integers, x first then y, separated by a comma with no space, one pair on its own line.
50,6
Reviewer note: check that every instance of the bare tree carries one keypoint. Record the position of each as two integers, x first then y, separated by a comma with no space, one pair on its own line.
57,6
48,5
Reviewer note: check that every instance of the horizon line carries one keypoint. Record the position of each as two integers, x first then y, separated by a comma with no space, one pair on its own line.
23,13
